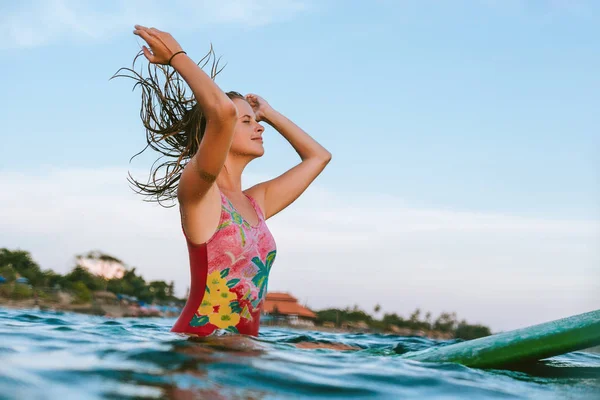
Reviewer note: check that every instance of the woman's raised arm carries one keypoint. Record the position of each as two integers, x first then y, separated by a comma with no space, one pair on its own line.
220,113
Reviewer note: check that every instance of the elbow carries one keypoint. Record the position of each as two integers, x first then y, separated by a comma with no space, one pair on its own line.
325,158
223,111
227,110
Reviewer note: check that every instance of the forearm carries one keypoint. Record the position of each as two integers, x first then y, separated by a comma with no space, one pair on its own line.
303,143
210,97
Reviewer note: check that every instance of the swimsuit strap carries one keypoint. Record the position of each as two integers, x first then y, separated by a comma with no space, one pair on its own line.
259,212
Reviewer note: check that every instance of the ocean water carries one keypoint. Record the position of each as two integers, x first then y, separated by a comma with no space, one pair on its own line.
48,355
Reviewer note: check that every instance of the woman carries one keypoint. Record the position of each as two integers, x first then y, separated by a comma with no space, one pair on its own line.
230,247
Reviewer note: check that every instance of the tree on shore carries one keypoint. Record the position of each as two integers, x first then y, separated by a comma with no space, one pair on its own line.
93,271
18,263
81,283
445,323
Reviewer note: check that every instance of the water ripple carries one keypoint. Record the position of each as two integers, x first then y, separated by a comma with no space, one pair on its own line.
65,355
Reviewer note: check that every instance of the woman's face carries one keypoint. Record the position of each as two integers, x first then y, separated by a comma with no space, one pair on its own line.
247,137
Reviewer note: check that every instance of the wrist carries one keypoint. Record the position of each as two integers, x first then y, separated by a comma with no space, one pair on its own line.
177,58
269,115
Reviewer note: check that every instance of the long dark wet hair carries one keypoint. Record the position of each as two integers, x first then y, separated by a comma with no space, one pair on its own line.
173,121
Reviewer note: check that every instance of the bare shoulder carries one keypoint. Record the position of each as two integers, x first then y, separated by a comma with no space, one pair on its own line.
257,192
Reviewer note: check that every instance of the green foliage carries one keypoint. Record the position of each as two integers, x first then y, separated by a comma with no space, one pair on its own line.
52,278
5,290
445,323
21,263
330,315
394,319
81,293
79,281
119,286
8,272
47,296
338,317
468,332
131,284
21,292
134,285
18,263
136,282
82,283
378,325
159,290
81,275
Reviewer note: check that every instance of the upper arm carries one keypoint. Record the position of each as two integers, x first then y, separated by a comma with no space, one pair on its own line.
202,170
198,196
278,193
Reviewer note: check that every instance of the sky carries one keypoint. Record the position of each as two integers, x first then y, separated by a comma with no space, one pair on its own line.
464,134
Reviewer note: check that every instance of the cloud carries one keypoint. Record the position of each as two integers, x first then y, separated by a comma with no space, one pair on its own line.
334,249
41,22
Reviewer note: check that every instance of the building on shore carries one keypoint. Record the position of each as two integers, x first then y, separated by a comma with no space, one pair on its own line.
284,308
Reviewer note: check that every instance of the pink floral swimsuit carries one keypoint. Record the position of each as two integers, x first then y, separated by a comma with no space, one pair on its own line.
229,276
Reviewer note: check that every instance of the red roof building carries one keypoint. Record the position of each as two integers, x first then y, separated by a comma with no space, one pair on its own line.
284,304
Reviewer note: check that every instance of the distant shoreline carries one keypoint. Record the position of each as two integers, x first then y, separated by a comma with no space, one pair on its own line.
103,310
89,289
89,309
111,311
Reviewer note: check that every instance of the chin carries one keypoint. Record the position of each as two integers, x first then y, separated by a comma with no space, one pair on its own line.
249,152
254,154
259,154
258,151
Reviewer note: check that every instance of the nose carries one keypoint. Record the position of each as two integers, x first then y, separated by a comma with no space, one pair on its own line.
260,128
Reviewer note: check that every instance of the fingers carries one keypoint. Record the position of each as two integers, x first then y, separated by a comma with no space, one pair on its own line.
161,45
148,54
150,31
254,99
144,34
251,98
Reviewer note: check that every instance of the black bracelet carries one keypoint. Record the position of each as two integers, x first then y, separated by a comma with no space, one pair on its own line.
179,52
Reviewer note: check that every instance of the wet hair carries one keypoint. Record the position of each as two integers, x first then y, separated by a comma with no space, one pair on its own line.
174,124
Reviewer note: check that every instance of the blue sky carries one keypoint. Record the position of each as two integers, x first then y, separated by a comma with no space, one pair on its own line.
478,108
475,104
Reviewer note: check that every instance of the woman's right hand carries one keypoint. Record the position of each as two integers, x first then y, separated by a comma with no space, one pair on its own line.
162,45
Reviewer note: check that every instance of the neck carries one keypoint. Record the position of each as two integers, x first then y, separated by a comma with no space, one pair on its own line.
230,178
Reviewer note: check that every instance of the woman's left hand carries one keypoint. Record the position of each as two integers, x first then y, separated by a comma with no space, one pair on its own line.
259,105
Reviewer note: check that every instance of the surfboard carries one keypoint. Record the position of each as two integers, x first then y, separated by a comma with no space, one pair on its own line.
533,343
